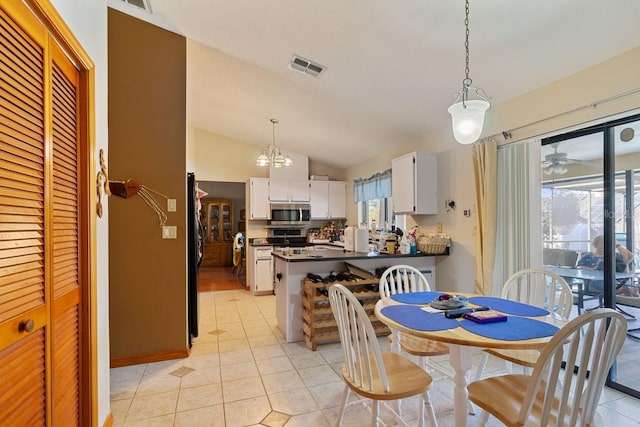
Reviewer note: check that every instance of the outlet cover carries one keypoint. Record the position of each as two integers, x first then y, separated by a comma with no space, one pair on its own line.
170,232
171,205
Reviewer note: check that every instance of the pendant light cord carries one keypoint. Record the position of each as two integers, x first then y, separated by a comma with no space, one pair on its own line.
467,81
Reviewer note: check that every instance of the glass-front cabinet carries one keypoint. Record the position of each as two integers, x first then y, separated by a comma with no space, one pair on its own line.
217,220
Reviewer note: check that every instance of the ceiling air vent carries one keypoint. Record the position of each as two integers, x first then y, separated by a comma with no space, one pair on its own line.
306,66
142,4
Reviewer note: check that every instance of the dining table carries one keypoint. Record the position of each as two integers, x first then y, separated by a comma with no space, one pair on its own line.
525,327
582,277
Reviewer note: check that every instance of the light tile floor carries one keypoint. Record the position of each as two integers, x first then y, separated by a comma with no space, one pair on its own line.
241,372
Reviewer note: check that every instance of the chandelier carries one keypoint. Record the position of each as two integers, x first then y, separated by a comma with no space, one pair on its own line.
271,155
470,103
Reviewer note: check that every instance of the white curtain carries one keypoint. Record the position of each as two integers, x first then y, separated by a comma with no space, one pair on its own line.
519,229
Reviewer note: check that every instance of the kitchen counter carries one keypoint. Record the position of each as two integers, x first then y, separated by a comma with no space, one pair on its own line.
341,255
290,270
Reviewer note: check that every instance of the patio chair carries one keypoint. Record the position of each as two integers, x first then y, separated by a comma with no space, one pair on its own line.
369,372
535,287
585,349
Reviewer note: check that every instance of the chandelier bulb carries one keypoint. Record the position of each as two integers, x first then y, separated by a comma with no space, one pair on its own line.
271,154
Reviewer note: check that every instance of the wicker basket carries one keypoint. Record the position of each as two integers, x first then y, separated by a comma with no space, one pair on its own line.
433,244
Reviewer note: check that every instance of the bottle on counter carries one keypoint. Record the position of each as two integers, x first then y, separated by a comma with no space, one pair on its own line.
405,247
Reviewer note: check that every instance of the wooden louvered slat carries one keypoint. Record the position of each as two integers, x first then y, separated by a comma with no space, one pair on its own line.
22,381
6,183
16,306
14,75
66,368
65,185
23,161
9,253
10,96
30,51
11,134
20,260
10,169
19,281
25,147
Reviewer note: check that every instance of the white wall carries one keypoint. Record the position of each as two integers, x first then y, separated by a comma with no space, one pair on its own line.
87,19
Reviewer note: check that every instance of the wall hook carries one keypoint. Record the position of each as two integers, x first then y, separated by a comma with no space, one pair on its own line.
449,204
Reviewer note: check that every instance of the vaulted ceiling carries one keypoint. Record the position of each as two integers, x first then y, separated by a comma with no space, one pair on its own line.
392,66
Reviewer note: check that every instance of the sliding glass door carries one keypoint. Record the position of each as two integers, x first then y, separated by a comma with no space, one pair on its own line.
590,214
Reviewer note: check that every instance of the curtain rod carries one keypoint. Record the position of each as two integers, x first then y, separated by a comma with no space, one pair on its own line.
506,134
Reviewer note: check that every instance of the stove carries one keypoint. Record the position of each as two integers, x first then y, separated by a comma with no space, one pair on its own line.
287,237
291,242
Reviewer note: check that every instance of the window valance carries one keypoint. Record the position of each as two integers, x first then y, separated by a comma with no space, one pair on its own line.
377,186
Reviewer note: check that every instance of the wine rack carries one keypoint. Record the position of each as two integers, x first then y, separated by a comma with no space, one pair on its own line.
318,323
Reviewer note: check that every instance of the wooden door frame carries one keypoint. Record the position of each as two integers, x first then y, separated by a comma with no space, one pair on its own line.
59,30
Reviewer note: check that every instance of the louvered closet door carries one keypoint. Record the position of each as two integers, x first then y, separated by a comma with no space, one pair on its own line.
39,289
63,223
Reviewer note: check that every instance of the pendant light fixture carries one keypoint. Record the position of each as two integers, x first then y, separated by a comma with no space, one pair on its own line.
470,103
271,155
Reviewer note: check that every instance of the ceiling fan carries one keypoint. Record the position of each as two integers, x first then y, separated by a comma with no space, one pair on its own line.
555,163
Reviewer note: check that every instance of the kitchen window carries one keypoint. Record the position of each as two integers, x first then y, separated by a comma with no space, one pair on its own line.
373,196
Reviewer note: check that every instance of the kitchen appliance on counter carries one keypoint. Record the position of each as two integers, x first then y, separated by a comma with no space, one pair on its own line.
290,213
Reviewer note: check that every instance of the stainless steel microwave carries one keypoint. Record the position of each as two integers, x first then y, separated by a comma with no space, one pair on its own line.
290,213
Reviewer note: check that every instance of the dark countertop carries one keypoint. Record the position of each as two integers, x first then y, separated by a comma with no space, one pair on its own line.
339,255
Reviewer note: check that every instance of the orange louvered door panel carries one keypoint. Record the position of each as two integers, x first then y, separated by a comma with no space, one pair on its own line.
23,289
64,238
40,312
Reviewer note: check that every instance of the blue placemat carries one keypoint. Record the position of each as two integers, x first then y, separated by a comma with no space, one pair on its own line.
416,297
414,317
509,307
514,329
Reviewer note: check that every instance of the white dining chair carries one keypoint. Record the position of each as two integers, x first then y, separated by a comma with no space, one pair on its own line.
535,287
401,279
369,372
567,379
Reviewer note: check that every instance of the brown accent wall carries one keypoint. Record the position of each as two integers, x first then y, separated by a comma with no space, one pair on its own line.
147,144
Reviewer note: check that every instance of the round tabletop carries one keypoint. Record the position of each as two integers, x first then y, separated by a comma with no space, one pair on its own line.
461,336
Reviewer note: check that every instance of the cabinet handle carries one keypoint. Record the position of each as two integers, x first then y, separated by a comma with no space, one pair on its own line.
26,325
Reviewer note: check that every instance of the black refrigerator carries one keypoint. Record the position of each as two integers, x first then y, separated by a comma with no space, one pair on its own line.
194,255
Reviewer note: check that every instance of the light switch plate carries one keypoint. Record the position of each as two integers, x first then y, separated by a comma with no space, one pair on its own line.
170,232
171,205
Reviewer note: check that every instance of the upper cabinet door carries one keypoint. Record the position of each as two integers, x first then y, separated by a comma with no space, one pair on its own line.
328,199
337,199
289,191
319,198
414,184
259,198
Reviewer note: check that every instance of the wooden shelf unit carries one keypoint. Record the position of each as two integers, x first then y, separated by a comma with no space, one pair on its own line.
318,323
217,221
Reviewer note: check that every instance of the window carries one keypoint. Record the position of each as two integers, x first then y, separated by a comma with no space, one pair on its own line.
378,210
373,196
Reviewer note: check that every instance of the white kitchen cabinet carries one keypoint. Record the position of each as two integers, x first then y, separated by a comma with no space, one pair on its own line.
288,191
261,270
258,198
414,184
328,199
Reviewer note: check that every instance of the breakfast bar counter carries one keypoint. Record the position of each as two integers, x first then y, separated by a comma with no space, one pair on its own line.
291,268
